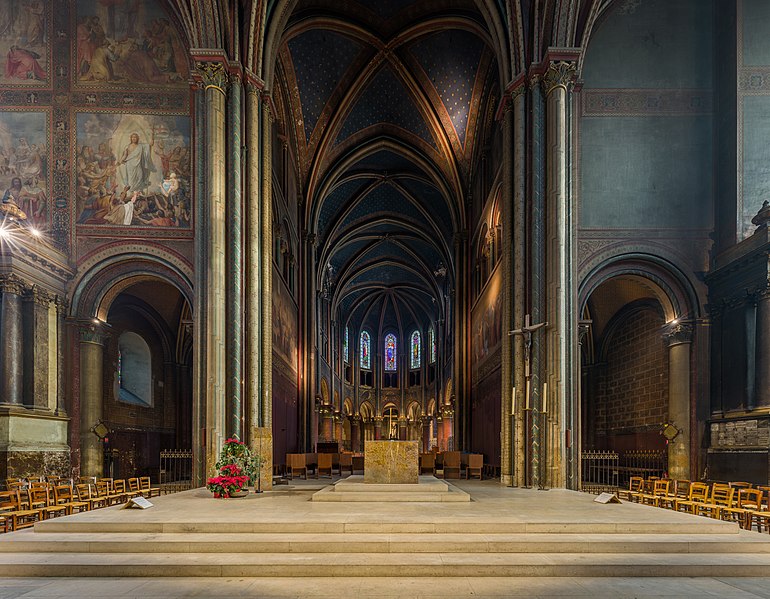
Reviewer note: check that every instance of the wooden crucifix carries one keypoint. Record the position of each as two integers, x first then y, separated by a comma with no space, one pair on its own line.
527,331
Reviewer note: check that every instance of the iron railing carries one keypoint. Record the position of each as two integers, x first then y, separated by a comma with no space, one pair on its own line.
175,470
599,471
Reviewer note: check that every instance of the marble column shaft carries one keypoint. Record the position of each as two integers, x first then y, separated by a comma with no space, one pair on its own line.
234,263
679,344
12,346
254,258
36,348
519,283
506,428
267,268
215,80
557,83
92,341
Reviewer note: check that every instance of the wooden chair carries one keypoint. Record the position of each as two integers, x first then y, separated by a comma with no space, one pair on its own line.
721,497
41,499
63,496
475,465
346,462
698,494
428,463
660,490
295,463
85,493
19,518
635,485
324,464
678,490
451,464
748,502
37,496
146,488
740,485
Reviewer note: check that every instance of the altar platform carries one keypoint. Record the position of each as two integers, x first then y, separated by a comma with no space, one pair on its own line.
502,532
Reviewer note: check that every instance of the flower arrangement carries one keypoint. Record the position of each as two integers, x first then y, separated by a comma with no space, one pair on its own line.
237,467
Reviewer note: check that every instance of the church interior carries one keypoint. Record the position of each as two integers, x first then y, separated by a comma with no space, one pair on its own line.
532,231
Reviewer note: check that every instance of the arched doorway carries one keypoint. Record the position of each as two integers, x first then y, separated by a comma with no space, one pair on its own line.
635,375
147,400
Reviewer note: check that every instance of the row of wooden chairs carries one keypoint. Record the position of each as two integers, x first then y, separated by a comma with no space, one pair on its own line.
22,506
452,463
736,501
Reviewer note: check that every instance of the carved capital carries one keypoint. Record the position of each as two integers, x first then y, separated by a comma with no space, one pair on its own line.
518,91
39,296
62,305
93,334
559,74
214,74
678,334
252,89
11,283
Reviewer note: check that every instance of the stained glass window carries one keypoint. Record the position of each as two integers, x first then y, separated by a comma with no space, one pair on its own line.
415,350
345,346
390,352
366,350
432,343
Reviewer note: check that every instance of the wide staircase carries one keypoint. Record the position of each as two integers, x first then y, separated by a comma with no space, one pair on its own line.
303,541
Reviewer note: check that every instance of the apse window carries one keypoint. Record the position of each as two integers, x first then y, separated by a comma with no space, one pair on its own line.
134,370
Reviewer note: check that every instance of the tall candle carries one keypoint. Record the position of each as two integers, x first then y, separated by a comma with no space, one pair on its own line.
526,398
545,397
513,401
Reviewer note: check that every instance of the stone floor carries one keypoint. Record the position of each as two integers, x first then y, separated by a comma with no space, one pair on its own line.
532,522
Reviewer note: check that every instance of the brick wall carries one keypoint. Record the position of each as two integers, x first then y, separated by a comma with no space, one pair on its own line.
632,390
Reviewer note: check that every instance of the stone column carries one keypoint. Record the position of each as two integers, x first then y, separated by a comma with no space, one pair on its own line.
519,266
215,80
537,278
377,428
93,337
61,343
425,432
506,420
461,361
267,267
36,348
12,346
763,350
557,84
679,342
235,261
254,258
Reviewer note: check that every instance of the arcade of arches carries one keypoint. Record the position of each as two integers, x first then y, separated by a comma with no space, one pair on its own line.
522,229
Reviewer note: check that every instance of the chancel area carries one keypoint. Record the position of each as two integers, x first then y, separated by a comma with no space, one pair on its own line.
528,239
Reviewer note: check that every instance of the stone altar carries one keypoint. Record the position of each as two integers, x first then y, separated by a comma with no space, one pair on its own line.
391,462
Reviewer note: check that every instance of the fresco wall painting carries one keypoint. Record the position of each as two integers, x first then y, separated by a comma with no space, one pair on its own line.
24,37
24,161
133,170
127,41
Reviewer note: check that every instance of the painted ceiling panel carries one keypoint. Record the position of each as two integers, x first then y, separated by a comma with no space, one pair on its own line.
383,198
389,275
451,59
384,161
343,255
385,100
336,199
427,252
320,59
432,200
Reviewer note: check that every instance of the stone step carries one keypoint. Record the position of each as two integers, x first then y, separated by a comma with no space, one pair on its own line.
213,543
382,564
92,523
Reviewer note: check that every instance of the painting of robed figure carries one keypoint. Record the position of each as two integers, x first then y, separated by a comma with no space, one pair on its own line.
128,41
24,42
133,170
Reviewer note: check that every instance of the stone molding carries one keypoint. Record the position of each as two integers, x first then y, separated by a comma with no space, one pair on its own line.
11,283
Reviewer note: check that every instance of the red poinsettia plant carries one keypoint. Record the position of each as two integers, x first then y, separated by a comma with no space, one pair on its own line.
236,466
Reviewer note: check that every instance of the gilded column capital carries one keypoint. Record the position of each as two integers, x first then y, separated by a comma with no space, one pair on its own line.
560,73
62,305
679,334
11,283
520,90
38,296
214,74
